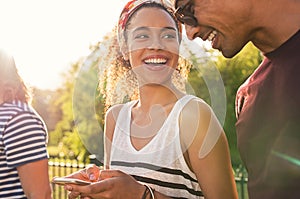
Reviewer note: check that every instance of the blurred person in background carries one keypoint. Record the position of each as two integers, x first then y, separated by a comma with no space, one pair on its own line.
23,139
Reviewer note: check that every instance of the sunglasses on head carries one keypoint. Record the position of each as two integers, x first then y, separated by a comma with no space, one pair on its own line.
185,16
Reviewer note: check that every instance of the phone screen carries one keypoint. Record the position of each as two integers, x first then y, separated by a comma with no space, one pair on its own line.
63,181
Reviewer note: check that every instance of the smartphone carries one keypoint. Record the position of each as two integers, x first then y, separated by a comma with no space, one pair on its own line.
63,181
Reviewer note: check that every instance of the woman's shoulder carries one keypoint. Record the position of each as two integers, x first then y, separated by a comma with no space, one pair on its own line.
196,104
197,112
115,109
199,124
111,117
113,112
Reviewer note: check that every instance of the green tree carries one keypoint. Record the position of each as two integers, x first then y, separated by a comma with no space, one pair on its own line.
88,106
75,134
43,102
65,126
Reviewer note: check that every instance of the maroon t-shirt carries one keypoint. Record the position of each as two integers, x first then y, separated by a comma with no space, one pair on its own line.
268,125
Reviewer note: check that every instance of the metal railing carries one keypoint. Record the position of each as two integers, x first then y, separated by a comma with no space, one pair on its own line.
241,179
63,167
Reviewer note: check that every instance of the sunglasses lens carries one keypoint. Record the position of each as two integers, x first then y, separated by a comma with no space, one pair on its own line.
190,21
185,18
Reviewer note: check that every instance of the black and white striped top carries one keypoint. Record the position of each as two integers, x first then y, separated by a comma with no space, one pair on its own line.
23,139
160,163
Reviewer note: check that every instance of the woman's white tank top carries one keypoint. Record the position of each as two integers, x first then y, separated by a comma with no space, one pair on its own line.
160,163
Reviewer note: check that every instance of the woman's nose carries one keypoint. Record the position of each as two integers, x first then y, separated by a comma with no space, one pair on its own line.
156,43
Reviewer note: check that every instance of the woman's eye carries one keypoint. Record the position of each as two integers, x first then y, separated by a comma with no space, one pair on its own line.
169,36
141,36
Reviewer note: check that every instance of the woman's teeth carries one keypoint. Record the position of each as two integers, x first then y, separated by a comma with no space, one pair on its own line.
212,35
156,61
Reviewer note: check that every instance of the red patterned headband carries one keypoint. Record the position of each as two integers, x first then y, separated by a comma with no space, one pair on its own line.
131,7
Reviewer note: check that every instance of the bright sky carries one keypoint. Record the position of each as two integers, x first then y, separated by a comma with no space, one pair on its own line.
47,36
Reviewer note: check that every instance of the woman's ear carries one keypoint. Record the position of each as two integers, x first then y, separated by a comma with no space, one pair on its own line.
124,51
125,56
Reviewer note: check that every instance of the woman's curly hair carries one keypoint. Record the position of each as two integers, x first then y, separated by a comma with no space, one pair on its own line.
117,82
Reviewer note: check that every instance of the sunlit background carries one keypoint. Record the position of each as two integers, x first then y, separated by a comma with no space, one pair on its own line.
46,37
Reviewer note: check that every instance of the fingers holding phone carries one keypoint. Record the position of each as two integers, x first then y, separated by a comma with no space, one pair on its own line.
63,181
92,172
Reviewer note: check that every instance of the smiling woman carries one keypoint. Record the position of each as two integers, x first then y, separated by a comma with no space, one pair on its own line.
44,44
159,141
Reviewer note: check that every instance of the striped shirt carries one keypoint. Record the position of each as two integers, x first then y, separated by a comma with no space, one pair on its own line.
160,163
23,138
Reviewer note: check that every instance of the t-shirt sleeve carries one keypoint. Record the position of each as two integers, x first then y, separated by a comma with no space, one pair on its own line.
25,139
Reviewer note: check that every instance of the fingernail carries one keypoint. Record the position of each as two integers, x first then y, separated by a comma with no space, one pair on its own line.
92,177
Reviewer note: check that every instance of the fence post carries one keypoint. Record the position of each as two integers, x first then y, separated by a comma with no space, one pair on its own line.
94,159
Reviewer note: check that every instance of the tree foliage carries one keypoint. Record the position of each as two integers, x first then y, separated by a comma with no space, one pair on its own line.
74,133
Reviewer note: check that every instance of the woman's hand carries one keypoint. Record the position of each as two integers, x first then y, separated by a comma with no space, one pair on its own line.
111,184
